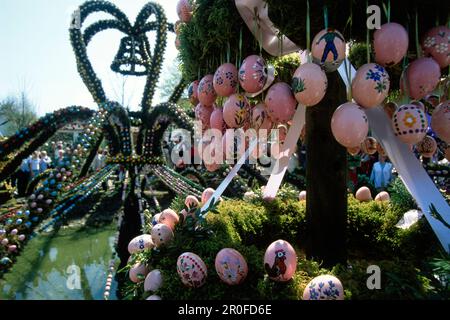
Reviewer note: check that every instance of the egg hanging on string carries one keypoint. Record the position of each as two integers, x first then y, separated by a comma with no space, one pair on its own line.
280,102
309,84
349,125
328,49
436,43
253,74
370,86
390,44
409,123
226,80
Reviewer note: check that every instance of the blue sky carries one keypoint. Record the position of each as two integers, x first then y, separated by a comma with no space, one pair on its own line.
36,55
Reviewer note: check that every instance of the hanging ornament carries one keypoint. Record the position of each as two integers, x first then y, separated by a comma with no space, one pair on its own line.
440,121
260,119
422,76
207,193
216,120
370,86
253,74
203,114
410,124
436,43
236,111
206,93
390,44
225,80
328,49
280,102
349,125
369,145
427,147
193,92
184,10
309,84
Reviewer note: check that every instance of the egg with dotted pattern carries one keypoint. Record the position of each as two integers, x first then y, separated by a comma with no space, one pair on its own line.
192,270
161,234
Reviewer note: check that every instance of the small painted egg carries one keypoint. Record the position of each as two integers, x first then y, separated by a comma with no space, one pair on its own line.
191,202
226,80
206,94
370,86
140,243
161,234
169,218
14,232
193,92
440,121
427,147
153,281
138,272
410,124
203,113
324,287
12,248
328,49
207,193
280,102
363,194
155,219
191,269
349,125
260,119
280,261
21,237
5,242
369,146
390,44
309,84
231,266
236,111
436,43
382,196
253,74
302,195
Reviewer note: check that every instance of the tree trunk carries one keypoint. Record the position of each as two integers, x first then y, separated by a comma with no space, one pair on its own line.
326,179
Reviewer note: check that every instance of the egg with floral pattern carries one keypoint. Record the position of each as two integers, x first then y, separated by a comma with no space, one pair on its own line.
427,147
390,44
260,119
280,261
328,49
191,202
226,80
309,84
420,78
184,10
280,102
203,114
193,92
253,74
206,194
440,121
349,125
216,120
324,287
206,94
169,218
140,243
192,270
410,123
161,234
370,86
436,43
236,111
231,266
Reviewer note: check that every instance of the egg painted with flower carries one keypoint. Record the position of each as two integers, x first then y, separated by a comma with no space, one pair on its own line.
427,147
192,270
236,111
226,80
409,123
440,121
206,94
260,119
370,86
436,43
231,266
309,84
253,74
280,261
193,92
324,287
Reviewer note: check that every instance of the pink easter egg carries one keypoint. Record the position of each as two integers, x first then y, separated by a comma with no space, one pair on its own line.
328,49
225,80
309,84
203,114
280,261
410,124
354,150
370,86
390,44
14,232
12,248
184,10
138,272
153,281
280,102
324,287
39,210
211,162
440,121
41,196
153,297
191,269
231,266
155,219
260,119
422,76
32,197
302,195
207,193
206,94
427,147
193,92
382,196
436,43
48,201
191,202
21,237
169,218
216,120
369,146
363,194
33,204
236,110
161,234
5,242
140,243
349,125
253,74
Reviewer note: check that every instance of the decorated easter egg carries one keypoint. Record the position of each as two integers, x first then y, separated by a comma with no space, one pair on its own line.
349,125
236,111
5,241
260,119
154,297
354,150
363,194
155,219
153,281
324,287
370,86
191,269
231,266
380,150
422,76
369,145
169,218
280,261
193,92
14,232
203,113
382,196
206,94
184,10
253,74
440,121
211,160
21,237
226,80
12,248
328,49
191,202
309,84
138,272
207,193
140,243
280,102
390,44
249,195
427,147
161,234
436,43
302,195
216,120
410,124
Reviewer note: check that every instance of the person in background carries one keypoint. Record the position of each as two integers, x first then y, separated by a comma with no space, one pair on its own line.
59,148
34,164
45,162
381,174
59,160
23,177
